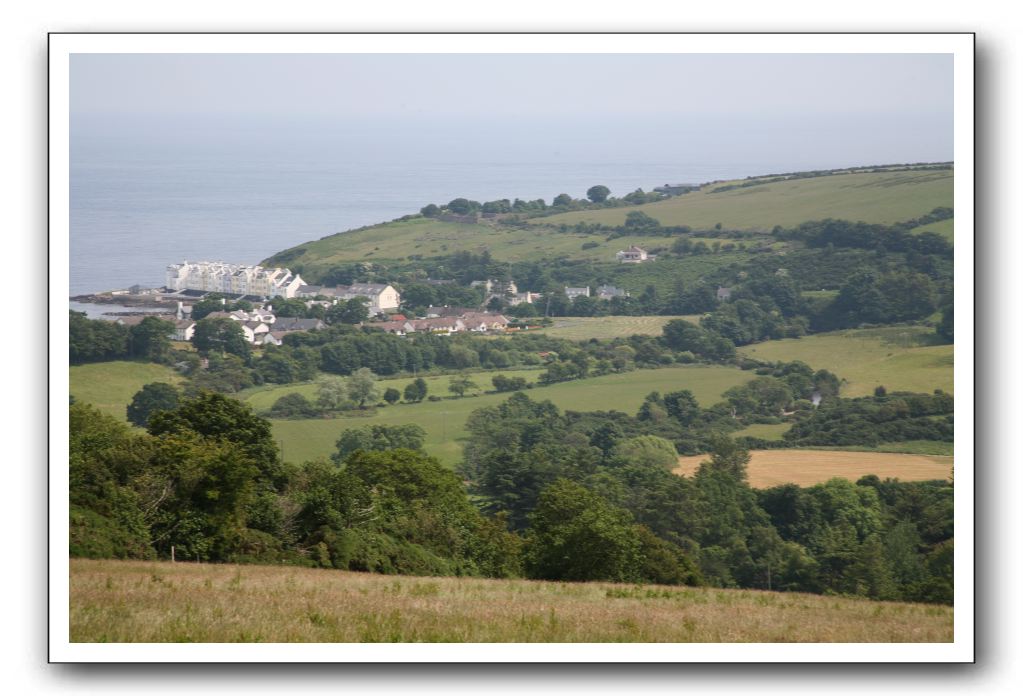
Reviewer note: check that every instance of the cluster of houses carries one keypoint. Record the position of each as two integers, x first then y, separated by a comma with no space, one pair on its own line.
445,321
260,326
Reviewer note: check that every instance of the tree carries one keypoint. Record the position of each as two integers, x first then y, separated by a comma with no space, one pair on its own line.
648,452
332,394
729,457
416,390
150,339
946,327
577,535
598,194
506,384
369,438
392,395
353,311
362,386
150,399
463,206
461,384
293,405
221,335
682,406
562,199
218,417
429,211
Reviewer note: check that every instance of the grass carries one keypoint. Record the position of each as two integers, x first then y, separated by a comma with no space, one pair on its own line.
808,467
109,386
900,358
885,197
584,328
946,228
131,601
871,197
444,421
765,431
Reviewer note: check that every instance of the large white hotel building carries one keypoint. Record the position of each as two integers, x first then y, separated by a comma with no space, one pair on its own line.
217,276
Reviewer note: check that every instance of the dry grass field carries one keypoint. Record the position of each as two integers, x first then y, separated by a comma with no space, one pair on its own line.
808,467
128,601
585,328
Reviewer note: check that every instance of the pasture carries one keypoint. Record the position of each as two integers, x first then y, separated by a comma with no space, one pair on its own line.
805,467
605,328
109,386
900,358
883,197
444,421
135,601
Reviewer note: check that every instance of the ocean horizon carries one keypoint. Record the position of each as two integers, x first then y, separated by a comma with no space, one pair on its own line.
130,219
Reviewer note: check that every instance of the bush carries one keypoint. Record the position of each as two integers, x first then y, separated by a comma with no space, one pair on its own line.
293,405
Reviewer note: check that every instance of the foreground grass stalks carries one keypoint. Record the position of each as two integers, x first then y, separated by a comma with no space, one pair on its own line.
128,601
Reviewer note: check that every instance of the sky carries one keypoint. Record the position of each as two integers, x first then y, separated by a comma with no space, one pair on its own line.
838,109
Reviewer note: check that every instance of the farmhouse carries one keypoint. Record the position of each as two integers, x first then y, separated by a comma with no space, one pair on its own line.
573,293
724,294
634,254
606,292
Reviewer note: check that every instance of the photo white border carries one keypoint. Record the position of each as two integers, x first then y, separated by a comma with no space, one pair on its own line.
61,47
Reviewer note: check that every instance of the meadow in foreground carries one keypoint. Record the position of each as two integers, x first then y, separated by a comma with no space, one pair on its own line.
130,601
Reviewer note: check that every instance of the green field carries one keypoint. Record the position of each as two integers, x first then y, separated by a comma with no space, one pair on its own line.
109,386
946,228
884,197
444,421
584,328
136,601
872,197
898,357
262,398
765,431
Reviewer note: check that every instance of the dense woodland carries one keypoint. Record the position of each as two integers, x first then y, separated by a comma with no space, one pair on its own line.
562,496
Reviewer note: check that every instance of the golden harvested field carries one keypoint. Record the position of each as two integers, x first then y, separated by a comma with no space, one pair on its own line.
134,601
585,328
808,467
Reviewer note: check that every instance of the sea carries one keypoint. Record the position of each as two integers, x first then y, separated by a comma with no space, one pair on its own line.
132,214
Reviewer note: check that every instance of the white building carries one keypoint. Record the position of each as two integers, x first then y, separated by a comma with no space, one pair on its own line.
235,279
382,298
573,293
634,254
606,292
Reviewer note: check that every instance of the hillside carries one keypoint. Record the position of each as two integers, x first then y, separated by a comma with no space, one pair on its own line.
884,197
123,601
881,197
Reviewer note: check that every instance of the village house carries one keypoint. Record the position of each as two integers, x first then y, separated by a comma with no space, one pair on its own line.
484,321
607,292
634,254
572,293
184,329
296,324
382,298
724,294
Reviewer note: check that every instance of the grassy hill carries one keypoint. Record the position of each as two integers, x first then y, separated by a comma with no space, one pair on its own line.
131,601
884,197
109,386
901,358
444,421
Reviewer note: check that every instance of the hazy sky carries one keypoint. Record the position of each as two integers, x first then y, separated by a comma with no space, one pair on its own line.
815,109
